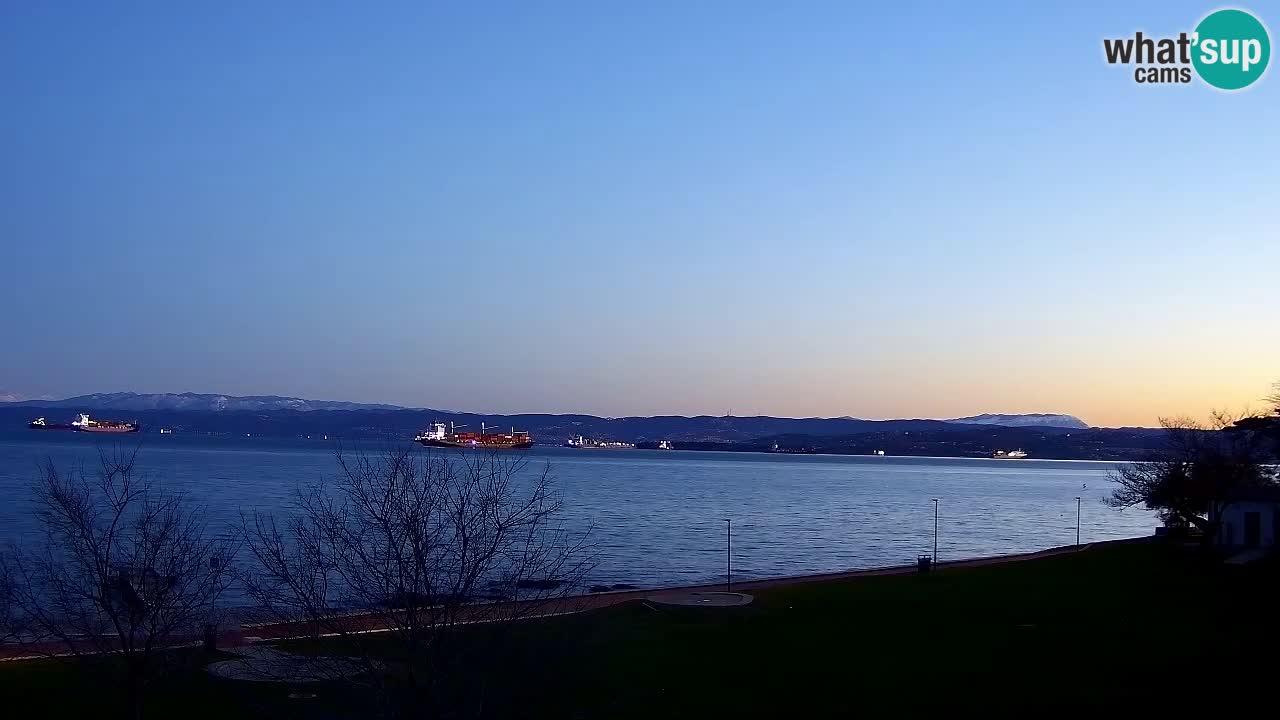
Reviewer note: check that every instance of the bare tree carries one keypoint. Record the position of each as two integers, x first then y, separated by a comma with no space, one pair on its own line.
8,595
408,552
1267,425
1198,474
121,568
1271,424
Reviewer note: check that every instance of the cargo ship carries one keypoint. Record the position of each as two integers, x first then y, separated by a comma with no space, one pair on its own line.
83,423
792,450
588,443
42,424
439,436
1011,455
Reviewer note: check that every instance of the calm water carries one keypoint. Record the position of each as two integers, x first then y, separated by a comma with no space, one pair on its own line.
659,516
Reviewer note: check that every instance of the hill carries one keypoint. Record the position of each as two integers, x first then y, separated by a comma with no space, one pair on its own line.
1044,436
1026,420
198,402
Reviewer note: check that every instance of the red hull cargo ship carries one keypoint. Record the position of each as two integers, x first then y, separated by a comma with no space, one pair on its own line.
439,436
83,423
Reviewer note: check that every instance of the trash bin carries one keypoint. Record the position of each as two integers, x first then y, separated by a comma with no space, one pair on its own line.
924,563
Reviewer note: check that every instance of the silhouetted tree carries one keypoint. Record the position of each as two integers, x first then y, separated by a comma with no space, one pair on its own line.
8,595
120,568
420,547
1203,467
1268,424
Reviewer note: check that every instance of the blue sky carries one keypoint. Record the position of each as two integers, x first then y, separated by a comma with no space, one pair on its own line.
918,209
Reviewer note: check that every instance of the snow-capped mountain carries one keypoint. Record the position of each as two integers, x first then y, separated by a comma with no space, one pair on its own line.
199,402
7,396
206,402
1024,420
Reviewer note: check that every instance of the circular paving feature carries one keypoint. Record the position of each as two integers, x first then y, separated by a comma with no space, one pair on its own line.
701,599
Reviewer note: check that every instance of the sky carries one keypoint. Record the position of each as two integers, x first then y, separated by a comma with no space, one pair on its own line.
620,208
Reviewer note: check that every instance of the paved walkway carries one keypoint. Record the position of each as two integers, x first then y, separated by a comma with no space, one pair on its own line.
371,623
262,663
251,634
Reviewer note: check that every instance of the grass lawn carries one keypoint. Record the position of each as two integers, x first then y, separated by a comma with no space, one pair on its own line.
1141,625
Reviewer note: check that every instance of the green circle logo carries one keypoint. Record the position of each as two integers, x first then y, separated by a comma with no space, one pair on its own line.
1231,49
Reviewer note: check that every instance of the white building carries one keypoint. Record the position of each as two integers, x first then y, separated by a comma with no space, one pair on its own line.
1251,519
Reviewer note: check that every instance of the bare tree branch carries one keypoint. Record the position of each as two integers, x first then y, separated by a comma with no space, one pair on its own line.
121,568
1201,471
408,549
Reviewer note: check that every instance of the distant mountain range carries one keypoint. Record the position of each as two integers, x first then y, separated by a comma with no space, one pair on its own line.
199,402
12,397
1042,435
207,402
1027,420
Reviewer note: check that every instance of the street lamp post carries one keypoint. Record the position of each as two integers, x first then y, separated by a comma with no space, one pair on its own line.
728,555
935,531
1077,521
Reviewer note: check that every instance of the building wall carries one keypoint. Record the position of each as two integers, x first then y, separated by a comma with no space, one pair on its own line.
1232,530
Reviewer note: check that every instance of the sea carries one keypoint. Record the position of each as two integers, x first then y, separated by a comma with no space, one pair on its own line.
664,518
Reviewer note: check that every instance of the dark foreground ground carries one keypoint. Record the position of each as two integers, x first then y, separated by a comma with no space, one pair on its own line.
1143,627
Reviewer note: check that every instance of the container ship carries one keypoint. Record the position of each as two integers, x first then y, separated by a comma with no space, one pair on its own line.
439,436
83,423
42,424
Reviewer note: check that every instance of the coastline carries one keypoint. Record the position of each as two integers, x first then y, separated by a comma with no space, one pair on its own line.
364,622
359,623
